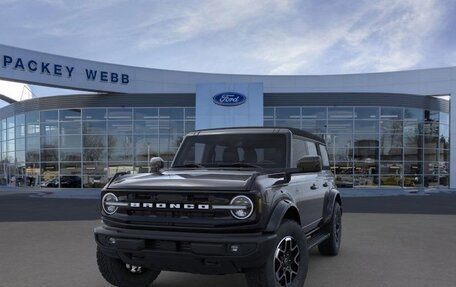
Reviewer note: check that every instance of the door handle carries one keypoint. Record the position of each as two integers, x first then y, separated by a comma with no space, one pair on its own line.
325,184
314,186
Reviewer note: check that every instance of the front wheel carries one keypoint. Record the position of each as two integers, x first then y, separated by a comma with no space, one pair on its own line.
287,264
120,274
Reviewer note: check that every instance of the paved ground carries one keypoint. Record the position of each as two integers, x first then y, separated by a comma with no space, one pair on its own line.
51,244
378,250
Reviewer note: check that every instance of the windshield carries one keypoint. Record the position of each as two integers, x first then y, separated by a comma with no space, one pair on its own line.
233,150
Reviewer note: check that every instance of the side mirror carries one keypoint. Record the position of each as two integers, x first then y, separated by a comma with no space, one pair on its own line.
156,163
309,164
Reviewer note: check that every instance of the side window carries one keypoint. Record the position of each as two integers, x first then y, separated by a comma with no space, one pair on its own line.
324,156
312,148
302,148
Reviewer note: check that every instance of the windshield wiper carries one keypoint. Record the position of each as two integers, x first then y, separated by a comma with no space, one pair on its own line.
239,164
190,165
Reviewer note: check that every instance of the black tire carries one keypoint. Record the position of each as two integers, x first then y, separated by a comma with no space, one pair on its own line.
331,245
115,271
289,234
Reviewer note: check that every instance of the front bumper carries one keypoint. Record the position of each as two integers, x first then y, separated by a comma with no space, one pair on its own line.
203,253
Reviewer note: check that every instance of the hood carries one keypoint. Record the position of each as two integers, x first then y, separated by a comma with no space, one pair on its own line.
192,179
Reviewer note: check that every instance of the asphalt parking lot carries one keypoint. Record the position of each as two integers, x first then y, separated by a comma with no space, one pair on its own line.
378,249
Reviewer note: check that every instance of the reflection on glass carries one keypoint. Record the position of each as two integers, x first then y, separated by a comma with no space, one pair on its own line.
391,113
268,113
360,139
50,155
314,113
120,155
288,113
70,154
94,127
314,126
115,167
340,112
366,140
190,114
95,181
146,147
289,123
120,142
94,140
49,116
431,116
120,128
444,118
32,117
72,141
171,127
146,113
189,126
171,114
366,126
391,140
120,114
416,115
94,114
391,127
413,154
146,127
94,154
94,167
340,126
70,128
366,113
70,115
20,131
49,129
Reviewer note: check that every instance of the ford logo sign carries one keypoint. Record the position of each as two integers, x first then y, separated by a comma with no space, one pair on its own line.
229,99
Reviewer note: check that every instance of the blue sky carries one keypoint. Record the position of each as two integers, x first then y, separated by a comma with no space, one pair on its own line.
239,36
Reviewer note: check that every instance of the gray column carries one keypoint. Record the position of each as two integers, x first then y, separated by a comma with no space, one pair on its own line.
453,140
212,114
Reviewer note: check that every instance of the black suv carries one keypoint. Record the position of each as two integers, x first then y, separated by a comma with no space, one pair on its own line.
250,200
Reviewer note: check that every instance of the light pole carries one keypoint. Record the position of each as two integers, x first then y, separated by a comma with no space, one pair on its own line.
148,157
334,153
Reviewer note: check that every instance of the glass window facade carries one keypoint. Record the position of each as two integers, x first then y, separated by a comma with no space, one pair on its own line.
82,147
376,146
77,148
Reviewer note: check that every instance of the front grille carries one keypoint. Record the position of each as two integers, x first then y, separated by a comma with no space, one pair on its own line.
167,216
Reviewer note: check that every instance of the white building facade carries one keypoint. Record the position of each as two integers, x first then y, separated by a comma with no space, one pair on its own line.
382,129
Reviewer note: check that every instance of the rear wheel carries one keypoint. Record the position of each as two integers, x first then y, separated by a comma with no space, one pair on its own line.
120,274
287,264
331,245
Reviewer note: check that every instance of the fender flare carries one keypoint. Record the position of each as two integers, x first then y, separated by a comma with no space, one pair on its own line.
275,220
331,199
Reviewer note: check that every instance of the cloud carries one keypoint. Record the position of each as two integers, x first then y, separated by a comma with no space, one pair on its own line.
376,36
238,36
394,38
206,17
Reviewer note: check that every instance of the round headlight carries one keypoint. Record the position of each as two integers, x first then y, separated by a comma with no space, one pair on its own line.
107,201
245,207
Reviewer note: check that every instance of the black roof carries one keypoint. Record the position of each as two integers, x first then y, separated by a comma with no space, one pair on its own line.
294,131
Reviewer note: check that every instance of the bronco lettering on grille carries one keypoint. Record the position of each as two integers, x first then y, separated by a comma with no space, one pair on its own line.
169,205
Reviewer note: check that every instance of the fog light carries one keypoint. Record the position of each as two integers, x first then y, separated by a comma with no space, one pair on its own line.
112,241
235,248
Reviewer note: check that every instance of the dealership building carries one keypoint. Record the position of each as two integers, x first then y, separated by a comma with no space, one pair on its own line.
389,129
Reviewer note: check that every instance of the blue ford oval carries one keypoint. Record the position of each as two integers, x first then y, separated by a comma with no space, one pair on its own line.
229,99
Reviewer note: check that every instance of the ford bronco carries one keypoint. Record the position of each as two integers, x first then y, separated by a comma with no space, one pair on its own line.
252,200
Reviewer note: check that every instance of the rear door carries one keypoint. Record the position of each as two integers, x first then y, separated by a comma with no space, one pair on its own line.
309,188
